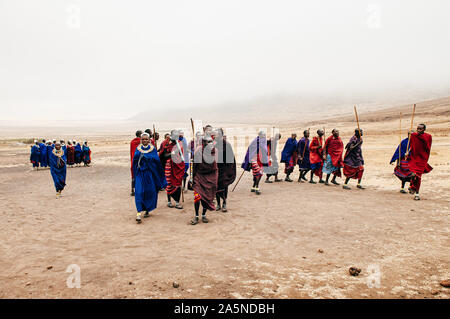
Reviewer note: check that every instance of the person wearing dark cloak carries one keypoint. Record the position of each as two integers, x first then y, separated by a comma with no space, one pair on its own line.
149,177
205,177
272,169
418,158
43,159
316,156
35,154
86,154
289,156
133,145
49,149
174,170
333,150
63,146
304,163
226,165
70,154
255,159
58,168
78,153
401,169
353,160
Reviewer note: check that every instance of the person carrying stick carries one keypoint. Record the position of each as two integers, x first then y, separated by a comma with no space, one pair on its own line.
353,158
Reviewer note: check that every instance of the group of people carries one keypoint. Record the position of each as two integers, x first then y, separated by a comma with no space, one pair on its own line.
321,156
317,157
75,152
58,156
208,160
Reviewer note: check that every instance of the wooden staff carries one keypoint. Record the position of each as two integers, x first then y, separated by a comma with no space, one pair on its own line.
400,145
238,181
357,120
192,156
412,123
154,137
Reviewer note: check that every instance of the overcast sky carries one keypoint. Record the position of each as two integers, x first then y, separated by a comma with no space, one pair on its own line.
111,59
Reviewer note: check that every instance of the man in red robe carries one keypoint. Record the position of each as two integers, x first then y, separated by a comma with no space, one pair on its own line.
315,156
133,145
333,150
418,158
174,169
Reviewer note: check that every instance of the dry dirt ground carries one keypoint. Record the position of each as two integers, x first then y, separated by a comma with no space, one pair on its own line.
265,246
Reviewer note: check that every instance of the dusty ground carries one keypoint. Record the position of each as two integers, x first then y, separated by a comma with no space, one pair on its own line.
265,246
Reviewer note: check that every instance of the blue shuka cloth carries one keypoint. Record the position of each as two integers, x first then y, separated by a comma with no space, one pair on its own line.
43,160
256,146
78,154
404,144
49,150
328,166
288,150
58,170
86,156
34,156
149,179
305,163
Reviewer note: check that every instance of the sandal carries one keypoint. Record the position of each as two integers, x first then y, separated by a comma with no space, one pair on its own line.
194,221
169,204
179,206
204,219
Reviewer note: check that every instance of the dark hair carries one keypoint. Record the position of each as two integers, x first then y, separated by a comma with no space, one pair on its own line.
138,133
424,126
149,131
305,131
43,140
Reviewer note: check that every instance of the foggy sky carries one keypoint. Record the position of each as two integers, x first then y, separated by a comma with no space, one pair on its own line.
117,58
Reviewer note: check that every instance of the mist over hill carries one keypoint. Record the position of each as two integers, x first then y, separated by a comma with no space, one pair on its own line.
291,107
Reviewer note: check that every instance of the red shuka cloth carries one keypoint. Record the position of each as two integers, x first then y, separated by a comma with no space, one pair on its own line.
315,156
133,145
335,148
420,153
353,172
176,169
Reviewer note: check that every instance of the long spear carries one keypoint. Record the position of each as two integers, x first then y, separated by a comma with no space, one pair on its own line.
400,145
357,120
412,122
154,137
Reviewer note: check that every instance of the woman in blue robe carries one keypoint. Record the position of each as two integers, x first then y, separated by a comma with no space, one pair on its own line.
49,149
86,154
43,154
78,154
149,177
58,168
34,156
